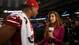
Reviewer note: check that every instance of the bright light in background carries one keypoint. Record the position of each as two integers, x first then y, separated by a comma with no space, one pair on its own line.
39,19
5,11
76,12
15,11
66,15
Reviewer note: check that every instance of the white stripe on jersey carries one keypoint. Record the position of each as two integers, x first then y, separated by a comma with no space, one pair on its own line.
13,21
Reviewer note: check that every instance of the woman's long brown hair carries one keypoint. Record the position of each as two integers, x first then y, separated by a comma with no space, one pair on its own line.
56,24
58,20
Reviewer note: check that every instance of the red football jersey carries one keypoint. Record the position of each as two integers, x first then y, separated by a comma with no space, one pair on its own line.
14,21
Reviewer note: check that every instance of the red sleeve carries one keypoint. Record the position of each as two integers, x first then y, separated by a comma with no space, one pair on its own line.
13,21
60,37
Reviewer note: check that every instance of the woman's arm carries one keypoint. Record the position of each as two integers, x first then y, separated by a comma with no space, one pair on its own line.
60,35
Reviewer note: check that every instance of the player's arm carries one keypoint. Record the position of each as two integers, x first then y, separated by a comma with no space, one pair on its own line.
8,28
6,32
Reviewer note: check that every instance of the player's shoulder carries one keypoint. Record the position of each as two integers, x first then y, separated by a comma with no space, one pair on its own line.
13,20
13,16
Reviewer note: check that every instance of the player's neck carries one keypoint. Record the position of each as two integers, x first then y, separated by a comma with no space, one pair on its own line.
28,14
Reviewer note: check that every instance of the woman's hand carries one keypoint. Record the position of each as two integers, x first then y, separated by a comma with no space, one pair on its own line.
51,34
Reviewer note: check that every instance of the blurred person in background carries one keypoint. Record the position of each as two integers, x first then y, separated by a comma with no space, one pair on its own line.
54,30
75,34
17,26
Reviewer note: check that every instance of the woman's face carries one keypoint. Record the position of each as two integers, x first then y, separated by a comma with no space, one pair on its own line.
52,18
